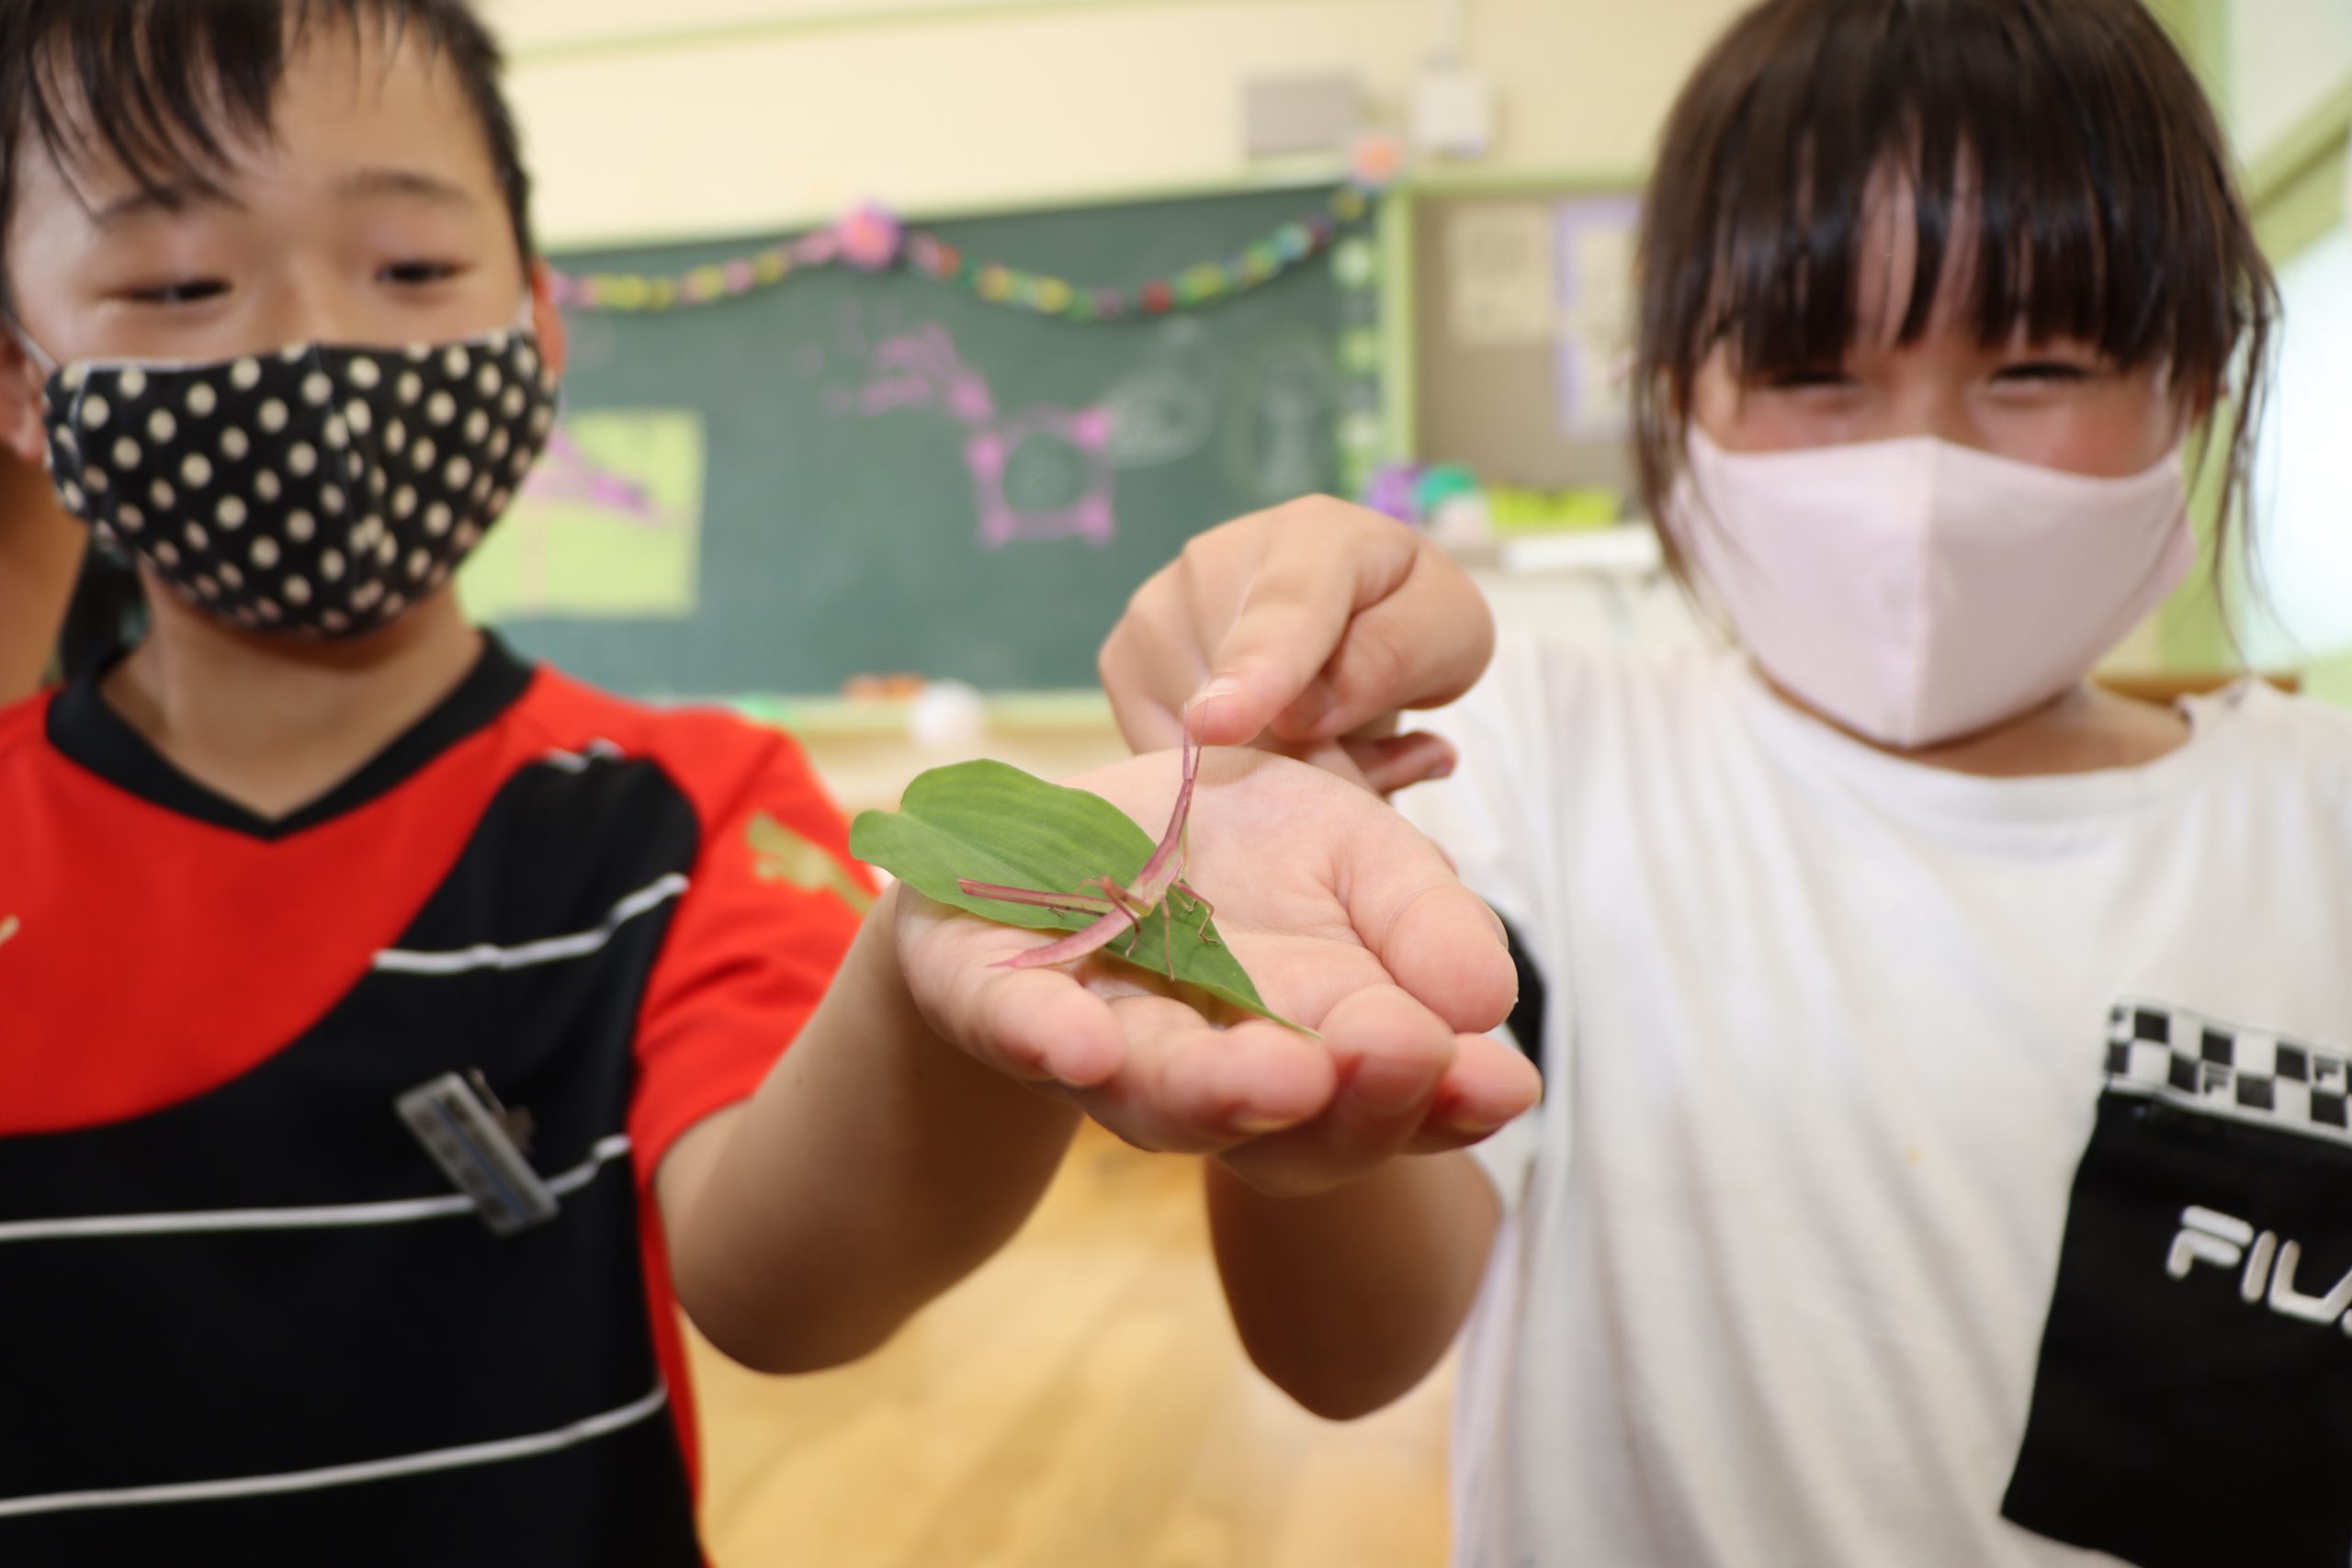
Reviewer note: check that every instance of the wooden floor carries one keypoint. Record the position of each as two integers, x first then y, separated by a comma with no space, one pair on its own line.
1080,1404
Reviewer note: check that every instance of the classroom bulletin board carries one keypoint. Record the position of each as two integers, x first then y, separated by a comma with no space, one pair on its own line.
1518,300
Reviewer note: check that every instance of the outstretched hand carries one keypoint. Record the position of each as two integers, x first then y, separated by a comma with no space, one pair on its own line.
1305,629
1350,923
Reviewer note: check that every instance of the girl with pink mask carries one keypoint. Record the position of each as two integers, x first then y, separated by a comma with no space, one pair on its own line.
1945,1158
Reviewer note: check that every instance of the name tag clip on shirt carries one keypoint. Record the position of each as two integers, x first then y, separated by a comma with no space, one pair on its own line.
482,1146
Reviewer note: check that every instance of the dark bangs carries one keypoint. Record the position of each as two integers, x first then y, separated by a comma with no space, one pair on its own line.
167,87
2070,135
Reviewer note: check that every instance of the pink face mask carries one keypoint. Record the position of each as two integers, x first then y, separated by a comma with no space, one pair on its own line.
1918,592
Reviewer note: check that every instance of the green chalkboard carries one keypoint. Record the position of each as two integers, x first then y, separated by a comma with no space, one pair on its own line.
895,477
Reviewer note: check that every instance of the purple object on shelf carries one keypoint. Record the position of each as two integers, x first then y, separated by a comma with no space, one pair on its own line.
1395,489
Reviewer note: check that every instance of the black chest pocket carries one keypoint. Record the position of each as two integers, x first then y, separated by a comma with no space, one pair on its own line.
2192,1406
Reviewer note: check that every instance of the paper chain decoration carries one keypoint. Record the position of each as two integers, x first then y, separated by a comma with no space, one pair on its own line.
872,240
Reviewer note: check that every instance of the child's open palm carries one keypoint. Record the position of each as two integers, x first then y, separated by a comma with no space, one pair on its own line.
1349,922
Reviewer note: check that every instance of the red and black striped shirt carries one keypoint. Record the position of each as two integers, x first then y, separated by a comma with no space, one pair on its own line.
243,1316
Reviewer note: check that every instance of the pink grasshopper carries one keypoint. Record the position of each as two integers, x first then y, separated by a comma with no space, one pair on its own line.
1123,909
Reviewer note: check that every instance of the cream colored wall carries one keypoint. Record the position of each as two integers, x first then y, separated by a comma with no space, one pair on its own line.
954,105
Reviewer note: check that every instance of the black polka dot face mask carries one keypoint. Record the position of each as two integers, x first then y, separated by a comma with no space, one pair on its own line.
317,491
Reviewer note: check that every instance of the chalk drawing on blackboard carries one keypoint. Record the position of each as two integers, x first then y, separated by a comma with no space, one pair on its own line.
1159,415
1045,474
1279,427
608,526
918,369
1166,410
1042,473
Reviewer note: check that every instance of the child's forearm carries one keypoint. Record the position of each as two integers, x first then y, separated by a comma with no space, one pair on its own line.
1348,1299
877,1166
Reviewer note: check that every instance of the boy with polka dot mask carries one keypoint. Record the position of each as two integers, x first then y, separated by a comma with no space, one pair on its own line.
318,883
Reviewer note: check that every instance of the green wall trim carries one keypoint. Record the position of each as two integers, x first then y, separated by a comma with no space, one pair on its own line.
2317,135
2330,680
2192,633
2296,193
2298,188
1399,335
1532,182
2201,29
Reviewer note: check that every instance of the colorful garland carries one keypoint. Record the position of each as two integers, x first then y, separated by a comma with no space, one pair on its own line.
872,240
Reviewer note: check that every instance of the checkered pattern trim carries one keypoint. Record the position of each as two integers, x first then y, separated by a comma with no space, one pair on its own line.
2200,1063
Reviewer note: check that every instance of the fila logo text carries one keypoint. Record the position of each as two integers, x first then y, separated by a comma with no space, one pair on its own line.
2268,1267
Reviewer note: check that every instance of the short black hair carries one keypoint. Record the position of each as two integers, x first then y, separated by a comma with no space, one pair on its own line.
163,85
2071,132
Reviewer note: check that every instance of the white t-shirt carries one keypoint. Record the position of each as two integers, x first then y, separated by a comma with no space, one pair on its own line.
1867,1079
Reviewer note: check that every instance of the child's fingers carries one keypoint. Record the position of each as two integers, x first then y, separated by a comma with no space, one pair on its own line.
1326,563
1243,1081
1491,1085
1187,1087
1148,665
1400,761
1039,1025
1393,1056
1416,641
1436,937
1447,948
1032,1024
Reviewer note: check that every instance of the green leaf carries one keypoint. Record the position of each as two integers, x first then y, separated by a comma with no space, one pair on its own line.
989,822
